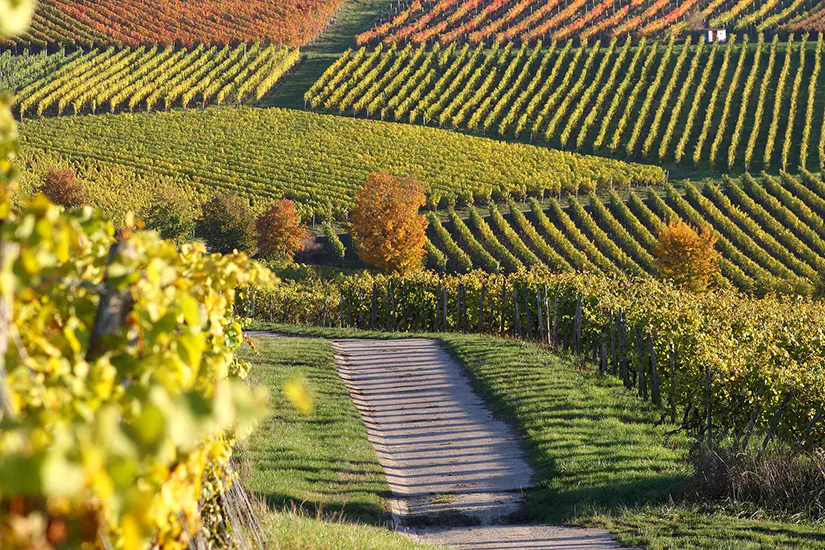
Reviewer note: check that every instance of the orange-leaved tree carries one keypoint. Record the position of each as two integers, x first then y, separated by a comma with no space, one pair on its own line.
63,188
279,230
687,257
387,229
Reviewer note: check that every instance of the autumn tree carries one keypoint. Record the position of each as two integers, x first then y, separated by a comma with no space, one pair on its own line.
279,231
687,257
63,188
387,230
226,223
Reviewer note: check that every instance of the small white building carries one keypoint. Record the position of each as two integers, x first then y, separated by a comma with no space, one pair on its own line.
716,35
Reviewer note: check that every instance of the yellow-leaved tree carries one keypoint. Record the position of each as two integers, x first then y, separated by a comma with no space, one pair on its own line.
387,229
687,257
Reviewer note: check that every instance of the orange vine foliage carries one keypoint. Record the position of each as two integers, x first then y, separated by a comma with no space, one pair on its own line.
279,230
687,257
387,229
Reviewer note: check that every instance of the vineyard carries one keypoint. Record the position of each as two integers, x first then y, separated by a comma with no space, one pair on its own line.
730,107
528,21
319,160
89,23
769,230
147,78
722,363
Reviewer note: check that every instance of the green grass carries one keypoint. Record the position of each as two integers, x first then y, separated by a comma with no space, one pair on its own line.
318,463
294,531
354,17
670,527
599,457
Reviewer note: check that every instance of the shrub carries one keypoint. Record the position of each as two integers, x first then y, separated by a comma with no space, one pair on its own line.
776,479
387,229
279,231
339,251
687,257
64,189
226,223
171,214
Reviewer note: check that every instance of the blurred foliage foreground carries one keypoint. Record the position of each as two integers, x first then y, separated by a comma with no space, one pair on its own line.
120,396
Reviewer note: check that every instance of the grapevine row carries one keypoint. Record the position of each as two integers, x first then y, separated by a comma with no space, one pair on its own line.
767,233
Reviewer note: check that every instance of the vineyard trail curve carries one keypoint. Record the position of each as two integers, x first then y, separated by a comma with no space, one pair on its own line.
457,474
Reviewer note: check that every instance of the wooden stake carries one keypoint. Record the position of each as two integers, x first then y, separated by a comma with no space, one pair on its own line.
541,317
654,372
481,310
672,358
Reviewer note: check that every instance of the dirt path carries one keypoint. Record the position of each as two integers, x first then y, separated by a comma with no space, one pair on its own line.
456,473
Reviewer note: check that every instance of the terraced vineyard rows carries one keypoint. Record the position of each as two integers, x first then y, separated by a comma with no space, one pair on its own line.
728,107
318,160
149,78
503,21
770,232
134,23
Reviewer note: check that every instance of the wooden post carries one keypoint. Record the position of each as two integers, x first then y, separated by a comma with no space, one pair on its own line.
708,412
556,319
402,325
272,308
341,309
547,316
775,422
393,312
438,305
612,329
801,439
481,310
577,325
654,371
324,312
528,322
374,316
463,308
517,323
603,354
541,317
672,358
624,372
458,308
388,322
444,327
642,374
594,346
502,305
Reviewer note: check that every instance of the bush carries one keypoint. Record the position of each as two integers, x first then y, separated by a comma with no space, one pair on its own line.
279,231
226,223
687,257
339,251
777,480
172,215
387,229
64,189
